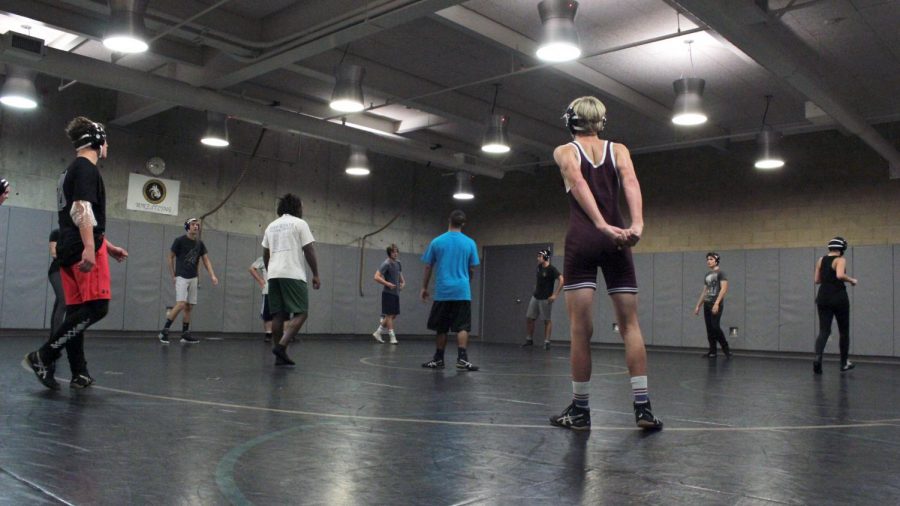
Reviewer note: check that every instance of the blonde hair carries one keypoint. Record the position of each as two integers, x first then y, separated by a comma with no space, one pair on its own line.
591,113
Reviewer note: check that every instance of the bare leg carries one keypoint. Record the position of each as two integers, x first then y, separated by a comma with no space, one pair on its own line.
462,339
388,322
625,306
441,341
173,313
548,329
579,304
529,328
186,317
291,327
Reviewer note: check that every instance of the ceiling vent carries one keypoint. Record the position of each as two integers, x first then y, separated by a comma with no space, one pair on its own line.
22,46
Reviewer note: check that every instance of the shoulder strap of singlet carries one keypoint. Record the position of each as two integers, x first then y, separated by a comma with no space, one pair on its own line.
611,154
578,150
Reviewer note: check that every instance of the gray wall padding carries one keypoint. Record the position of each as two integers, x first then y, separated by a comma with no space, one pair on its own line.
561,329
796,307
667,298
346,291
871,326
4,233
643,265
143,278
413,311
238,286
761,307
117,232
896,269
25,286
320,301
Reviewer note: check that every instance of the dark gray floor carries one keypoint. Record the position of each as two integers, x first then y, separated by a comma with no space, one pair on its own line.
360,423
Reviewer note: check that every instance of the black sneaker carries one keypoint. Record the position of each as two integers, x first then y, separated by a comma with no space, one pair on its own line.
546,345
82,380
281,357
163,336
846,367
527,343
573,417
817,367
187,338
710,354
267,339
434,364
644,417
728,353
32,362
465,365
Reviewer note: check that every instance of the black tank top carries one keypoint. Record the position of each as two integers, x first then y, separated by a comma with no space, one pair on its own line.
603,180
831,289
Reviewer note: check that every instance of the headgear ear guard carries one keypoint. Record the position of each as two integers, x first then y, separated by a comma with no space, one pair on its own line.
573,122
187,223
545,254
838,243
714,255
94,138
4,185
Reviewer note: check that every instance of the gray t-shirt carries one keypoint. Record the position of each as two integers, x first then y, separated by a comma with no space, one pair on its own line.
713,282
390,271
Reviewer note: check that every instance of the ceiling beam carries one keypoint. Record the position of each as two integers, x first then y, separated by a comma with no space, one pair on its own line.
106,75
773,46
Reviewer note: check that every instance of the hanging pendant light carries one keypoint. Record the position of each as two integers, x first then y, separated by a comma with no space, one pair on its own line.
494,140
463,186
769,155
125,32
688,108
216,134
358,163
18,90
559,37
348,93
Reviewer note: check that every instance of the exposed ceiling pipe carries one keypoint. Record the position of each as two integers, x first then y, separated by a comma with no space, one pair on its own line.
106,75
778,50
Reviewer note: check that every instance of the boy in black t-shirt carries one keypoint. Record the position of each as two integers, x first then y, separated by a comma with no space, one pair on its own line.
184,260
541,303
83,252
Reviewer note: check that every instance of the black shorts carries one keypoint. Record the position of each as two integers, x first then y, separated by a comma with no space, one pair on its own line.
264,311
586,250
390,304
450,315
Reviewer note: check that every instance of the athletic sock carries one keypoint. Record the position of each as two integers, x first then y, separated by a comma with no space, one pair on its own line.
168,324
268,335
461,354
185,326
639,389
439,354
581,393
391,333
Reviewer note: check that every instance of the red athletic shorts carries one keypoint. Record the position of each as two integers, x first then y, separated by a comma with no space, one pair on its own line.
81,287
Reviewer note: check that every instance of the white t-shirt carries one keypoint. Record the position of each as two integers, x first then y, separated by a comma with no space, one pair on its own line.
260,267
285,239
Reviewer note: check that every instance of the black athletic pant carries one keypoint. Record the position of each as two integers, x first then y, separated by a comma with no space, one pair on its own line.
840,311
59,306
70,334
713,327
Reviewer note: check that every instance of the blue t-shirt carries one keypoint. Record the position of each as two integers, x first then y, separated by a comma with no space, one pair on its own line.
451,254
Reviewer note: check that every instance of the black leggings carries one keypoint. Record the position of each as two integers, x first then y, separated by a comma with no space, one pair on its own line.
713,326
840,311
70,334
59,306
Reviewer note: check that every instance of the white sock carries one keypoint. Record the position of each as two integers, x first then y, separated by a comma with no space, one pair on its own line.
581,393
639,389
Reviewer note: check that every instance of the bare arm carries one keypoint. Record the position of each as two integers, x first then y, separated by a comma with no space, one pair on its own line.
83,216
567,159
559,287
426,278
840,269
266,257
256,275
402,281
172,263
818,276
632,193
310,253
722,292
209,269
117,252
52,249
700,300
379,278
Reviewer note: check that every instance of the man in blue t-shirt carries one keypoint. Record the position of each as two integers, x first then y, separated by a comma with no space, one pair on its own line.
453,256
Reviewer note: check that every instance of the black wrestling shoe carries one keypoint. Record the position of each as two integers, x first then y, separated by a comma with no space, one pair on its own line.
187,338
434,364
710,354
644,417
82,380
527,343
33,363
846,367
163,336
573,417
281,356
465,365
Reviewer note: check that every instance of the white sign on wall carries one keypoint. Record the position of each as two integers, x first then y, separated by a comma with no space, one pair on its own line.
152,194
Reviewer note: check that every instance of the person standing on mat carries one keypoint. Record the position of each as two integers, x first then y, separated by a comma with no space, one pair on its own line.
258,271
59,304
83,251
389,274
832,301
287,251
712,300
594,170
184,260
452,256
541,303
